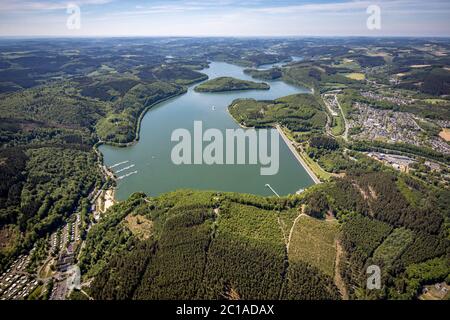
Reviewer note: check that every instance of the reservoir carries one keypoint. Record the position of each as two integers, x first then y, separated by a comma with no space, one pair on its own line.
146,166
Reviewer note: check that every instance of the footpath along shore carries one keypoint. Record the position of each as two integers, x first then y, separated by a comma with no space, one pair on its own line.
297,156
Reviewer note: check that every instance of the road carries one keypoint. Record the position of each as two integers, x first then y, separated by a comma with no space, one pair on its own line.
302,214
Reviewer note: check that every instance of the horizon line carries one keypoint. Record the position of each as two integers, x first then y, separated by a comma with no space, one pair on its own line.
217,36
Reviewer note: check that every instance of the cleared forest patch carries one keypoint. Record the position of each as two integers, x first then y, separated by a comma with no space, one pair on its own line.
313,241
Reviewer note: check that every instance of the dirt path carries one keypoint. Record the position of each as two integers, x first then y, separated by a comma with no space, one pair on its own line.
85,293
338,281
292,228
287,241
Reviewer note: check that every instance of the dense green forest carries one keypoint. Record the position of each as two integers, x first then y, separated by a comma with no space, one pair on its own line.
270,74
225,245
47,163
300,112
382,217
223,84
204,245
42,189
48,166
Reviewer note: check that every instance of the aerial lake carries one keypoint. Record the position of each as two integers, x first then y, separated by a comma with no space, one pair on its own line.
146,166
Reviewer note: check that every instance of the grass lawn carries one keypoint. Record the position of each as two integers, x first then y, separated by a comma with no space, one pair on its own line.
356,76
436,101
313,241
349,64
46,271
338,126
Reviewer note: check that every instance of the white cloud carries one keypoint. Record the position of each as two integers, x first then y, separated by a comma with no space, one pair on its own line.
228,18
397,6
142,10
20,6
317,7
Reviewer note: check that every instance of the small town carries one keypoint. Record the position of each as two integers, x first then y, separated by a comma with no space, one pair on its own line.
17,282
397,99
392,126
58,272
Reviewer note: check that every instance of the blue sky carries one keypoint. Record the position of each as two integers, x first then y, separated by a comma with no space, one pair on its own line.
225,18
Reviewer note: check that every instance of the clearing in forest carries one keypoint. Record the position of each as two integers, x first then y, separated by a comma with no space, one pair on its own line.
313,241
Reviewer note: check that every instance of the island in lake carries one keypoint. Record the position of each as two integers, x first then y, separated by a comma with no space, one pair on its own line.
269,74
222,84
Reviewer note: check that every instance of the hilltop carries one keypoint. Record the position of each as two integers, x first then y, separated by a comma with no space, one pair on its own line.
222,84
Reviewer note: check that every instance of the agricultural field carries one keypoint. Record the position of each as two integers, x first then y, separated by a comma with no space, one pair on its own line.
356,76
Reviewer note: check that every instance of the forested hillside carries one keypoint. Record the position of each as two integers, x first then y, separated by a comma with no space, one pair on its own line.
48,167
221,245
300,112
223,84
204,245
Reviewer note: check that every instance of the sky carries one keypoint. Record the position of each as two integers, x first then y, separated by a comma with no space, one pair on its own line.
224,18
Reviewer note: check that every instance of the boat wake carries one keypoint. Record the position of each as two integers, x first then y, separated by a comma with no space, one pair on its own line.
118,164
126,168
127,175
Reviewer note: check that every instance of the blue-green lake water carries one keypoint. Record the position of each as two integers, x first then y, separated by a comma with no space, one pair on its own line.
147,166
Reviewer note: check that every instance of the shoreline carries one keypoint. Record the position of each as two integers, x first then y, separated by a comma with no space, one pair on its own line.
105,196
107,173
288,142
137,129
315,179
235,120
104,201
232,90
